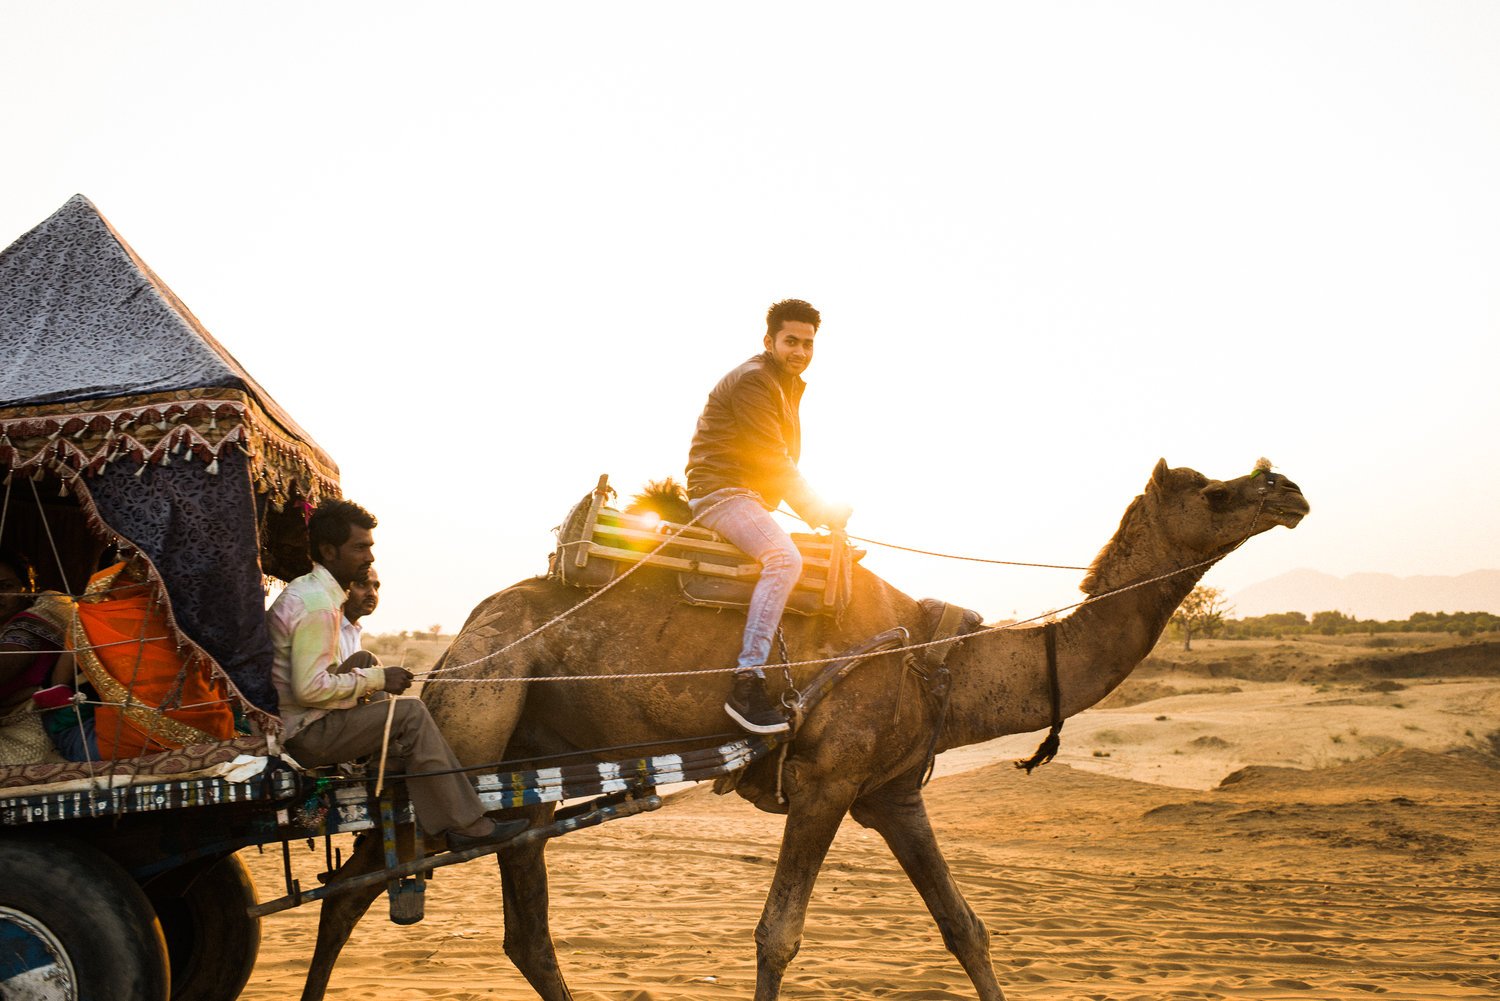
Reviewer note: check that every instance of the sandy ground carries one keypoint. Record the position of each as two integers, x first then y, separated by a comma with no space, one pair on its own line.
1354,852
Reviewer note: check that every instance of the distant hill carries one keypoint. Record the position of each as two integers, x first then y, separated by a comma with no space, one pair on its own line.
1369,595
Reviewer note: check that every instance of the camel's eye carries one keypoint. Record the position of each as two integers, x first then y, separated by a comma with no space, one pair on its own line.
1217,495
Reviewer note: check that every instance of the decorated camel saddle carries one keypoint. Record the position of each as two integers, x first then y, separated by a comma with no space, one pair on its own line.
597,543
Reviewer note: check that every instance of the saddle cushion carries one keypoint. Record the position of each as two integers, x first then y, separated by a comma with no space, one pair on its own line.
596,544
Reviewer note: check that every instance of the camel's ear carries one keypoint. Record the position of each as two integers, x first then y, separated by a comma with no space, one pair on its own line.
1159,474
1216,493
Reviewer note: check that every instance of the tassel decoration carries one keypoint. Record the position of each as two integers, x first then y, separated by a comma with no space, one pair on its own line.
1046,751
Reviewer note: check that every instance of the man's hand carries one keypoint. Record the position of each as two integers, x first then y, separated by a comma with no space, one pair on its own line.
837,515
355,661
397,680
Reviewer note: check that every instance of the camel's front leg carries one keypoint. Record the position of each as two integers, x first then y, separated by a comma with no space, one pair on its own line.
898,814
528,933
340,913
812,821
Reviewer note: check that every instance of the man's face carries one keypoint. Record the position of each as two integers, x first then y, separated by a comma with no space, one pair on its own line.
792,347
364,595
352,560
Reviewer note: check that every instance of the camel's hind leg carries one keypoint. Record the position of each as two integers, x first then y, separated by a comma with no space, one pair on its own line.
340,913
811,823
528,934
897,813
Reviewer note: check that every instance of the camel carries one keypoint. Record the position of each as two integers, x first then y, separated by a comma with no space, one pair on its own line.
862,752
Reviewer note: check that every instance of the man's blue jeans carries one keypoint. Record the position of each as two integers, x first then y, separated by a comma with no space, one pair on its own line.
741,517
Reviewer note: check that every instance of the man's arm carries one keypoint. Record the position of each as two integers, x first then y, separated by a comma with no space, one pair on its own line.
315,651
757,411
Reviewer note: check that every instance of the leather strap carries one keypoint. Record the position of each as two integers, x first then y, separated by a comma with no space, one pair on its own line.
1048,748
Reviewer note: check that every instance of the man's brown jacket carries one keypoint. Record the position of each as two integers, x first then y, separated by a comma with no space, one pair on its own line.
750,435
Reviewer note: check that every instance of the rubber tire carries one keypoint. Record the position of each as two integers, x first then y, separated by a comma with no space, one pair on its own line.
99,916
211,942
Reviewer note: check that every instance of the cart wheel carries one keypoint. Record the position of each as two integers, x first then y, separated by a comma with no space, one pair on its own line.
211,942
74,925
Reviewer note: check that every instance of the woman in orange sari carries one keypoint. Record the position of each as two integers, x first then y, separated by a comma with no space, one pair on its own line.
151,698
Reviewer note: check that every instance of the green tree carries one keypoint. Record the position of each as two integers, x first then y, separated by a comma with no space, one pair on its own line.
1331,623
1202,611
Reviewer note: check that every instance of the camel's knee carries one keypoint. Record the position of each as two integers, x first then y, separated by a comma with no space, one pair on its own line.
965,935
529,953
777,945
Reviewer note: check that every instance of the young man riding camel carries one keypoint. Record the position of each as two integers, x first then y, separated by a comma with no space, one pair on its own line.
741,465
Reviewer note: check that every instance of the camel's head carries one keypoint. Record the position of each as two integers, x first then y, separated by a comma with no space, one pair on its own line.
1184,517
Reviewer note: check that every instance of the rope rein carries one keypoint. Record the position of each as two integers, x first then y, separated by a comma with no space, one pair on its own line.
946,556
1044,616
967,559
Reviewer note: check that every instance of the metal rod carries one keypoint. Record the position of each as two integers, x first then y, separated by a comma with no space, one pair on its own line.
293,887
590,819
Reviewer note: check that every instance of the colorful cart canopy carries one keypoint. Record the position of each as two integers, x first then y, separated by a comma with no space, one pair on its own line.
122,419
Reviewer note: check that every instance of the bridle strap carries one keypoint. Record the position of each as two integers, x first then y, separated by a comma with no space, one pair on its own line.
1049,747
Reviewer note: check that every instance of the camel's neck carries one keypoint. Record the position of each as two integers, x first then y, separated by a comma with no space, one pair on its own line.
1000,682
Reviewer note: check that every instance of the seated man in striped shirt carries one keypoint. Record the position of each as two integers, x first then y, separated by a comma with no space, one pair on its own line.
320,704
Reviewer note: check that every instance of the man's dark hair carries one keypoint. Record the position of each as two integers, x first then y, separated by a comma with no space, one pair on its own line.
332,522
795,310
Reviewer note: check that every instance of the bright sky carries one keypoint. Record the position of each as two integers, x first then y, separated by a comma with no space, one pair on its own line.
486,252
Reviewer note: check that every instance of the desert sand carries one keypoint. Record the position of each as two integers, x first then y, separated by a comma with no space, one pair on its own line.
1252,821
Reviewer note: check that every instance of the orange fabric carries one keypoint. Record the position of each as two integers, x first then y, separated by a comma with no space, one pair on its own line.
122,642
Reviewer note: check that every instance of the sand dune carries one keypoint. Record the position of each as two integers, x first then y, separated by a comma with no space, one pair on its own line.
1366,866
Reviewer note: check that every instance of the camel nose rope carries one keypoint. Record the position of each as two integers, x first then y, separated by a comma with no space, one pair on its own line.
948,556
797,663
967,559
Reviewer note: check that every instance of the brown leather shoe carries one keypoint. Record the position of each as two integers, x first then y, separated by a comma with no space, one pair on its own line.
500,830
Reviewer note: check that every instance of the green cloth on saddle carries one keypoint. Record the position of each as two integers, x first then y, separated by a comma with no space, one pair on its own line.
597,544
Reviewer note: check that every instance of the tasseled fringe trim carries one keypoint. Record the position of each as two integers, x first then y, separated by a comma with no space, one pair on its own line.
100,528
1046,751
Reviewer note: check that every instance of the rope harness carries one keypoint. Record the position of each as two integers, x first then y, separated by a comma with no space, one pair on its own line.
935,675
813,662
1049,747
